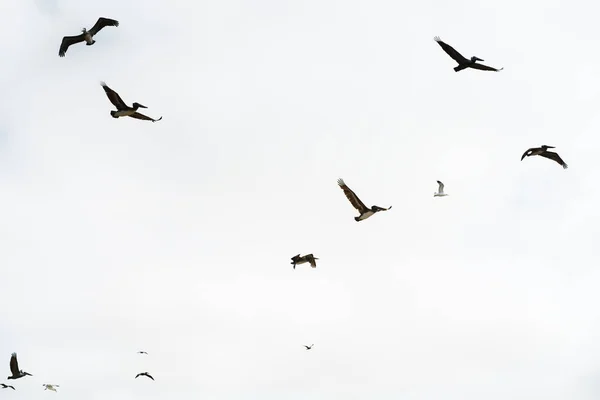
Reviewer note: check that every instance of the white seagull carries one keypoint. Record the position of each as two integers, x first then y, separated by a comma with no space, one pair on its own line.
440,192
50,387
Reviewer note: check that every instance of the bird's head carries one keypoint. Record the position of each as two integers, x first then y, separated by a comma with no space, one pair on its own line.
474,59
83,30
544,147
138,105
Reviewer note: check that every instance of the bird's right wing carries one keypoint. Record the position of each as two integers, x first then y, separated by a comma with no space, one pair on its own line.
138,115
14,365
440,187
113,97
555,157
485,67
67,41
451,51
101,23
354,200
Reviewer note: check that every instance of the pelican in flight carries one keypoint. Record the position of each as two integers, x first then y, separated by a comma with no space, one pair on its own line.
50,387
543,151
365,212
144,374
309,347
123,110
440,192
462,61
309,258
86,36
142,352
14,368
6,386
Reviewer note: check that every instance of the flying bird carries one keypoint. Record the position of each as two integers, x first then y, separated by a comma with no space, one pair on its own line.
543,151
462,61
6,386
50,387
142,352
309,258
309,347
365,212
144,374
440,192
123,110
14,368
86,36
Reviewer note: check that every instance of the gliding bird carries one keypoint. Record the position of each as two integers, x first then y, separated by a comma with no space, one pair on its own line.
440,192
309,258
50,387
309,347
123,110
462,61
86,36
14,368
7,386
543,151
144,374
365,212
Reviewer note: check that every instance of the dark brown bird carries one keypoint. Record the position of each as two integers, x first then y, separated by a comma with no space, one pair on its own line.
14,368
7,386
365,212
86,36
543,151
309,258
123,110
462,61
142,352
144,374
309,347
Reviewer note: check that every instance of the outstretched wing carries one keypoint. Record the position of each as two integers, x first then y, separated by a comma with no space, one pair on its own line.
67,41
527,152
14,364
485,67
149,376
554,156
101,23
114,97
440,187
354,200
137,115
451,51
311,259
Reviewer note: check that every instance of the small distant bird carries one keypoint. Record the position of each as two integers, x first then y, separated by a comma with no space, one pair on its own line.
462,61
86,35
123,110
543,151
50,387
142,352
365,212
309,258
6,386
440,192
14,368
309,347
144,374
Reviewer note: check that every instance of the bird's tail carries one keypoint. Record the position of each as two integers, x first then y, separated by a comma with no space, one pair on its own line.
460,68
113,114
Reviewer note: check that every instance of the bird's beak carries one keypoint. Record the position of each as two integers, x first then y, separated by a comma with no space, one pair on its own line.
141,106
478,59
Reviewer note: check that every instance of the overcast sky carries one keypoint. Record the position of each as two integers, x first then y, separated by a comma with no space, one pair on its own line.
119,235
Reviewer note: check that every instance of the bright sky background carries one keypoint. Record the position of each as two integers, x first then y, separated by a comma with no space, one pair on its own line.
119,235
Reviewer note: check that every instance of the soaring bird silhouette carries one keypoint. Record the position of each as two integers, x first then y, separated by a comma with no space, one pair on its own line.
142,352
365,212
309,258
6,386
440,192
14,368
144,374
123,110
86,36
543,151
462,61
309,347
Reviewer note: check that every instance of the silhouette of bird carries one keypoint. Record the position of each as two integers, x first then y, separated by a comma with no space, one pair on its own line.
543,151
7,386
86,35
309,347
462,61
142,352
144,374
14,368
365,212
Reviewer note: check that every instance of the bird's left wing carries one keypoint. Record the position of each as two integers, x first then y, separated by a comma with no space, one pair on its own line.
440,187
67,41
350,195
485,67
555,157
14,364
101,23
456,56
138,115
